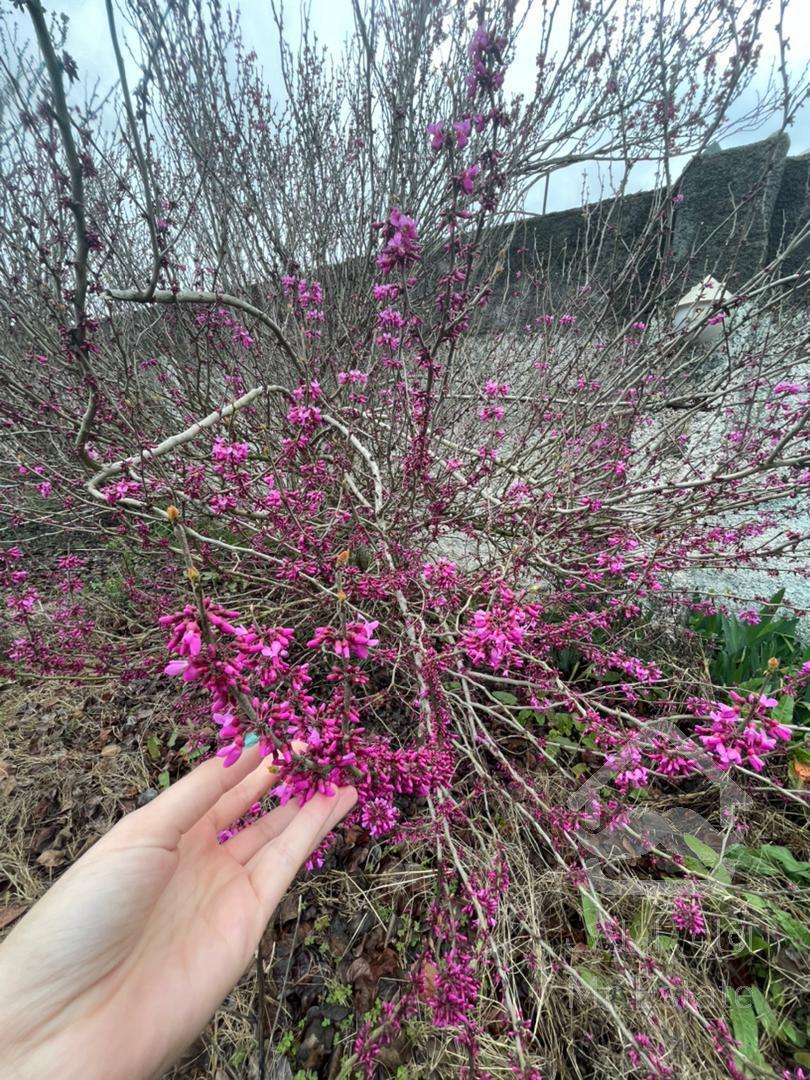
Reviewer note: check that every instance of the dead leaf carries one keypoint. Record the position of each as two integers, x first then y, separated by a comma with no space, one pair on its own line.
358,969
429,973
352,834
7,786
42,837
111,750
51,858
385,964
288,909
11,913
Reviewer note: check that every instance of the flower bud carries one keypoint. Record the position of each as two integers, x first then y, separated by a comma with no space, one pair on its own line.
193,574
773,664
172,513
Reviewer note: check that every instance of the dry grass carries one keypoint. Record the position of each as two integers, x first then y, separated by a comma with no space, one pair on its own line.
72,762
69,772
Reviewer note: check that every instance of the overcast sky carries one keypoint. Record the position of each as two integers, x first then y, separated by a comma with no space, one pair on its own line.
89,44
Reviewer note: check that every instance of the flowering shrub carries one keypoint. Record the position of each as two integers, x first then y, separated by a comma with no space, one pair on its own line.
403,547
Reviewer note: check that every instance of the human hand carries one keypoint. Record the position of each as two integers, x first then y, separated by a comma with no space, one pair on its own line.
126,958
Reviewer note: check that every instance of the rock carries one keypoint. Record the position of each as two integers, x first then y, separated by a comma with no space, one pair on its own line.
700,303
146,796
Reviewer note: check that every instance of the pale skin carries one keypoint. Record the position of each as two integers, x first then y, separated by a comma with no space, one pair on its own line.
125,959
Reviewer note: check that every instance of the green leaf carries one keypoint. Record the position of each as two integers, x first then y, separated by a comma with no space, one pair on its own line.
744,1025
719,873
781,856
172,740
732,632
504,697
590,917
164,780
153,747
752,684
783,712
552,747
765,1014
795,930
590,977
790,1033
741,856
801,1058
641,923
665,945
707,855
562,722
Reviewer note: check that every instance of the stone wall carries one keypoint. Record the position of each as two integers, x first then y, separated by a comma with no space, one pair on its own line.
739,208
791,213
723,225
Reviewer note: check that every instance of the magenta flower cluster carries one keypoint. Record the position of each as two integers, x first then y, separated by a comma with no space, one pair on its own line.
254,685
741,733
401,247
687,916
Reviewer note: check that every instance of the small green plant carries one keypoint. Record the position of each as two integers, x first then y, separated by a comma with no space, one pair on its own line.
408,931
740,650
317,935
338,993
287,1044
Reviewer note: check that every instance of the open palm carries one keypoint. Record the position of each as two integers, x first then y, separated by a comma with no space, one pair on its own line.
126,958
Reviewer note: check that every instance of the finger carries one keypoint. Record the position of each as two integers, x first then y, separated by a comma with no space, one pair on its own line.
273,868
183,804
251,840
238,800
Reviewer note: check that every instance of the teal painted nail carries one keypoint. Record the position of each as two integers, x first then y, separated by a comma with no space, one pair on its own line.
251,740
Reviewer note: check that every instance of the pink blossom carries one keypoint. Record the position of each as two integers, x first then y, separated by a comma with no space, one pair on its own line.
465,180
358,639
687,916
401,242
749,615
379,816
436,132
462,129
735,736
